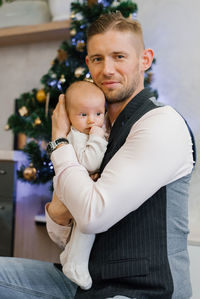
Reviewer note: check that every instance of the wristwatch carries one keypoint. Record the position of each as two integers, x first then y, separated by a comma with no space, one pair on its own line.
52,145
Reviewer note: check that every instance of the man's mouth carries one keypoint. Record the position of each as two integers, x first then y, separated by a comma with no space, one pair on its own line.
110,84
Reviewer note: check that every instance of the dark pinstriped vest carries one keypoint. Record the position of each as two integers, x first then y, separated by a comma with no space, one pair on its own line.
130,258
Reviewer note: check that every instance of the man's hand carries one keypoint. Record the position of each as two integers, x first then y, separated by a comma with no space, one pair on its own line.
60,120
58,211
97,131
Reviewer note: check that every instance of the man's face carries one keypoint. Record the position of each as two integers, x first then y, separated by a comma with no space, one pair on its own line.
115,65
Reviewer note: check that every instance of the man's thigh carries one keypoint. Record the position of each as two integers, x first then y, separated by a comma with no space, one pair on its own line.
31,279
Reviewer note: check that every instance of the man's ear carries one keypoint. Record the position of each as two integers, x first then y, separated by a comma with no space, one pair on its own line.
147,59
87,60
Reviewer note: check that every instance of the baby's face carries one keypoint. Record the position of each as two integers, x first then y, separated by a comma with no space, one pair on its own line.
86,110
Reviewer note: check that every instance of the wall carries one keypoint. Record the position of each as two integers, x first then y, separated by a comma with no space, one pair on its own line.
172,29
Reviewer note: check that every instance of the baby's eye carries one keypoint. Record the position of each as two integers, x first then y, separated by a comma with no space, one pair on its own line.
98,113
83,114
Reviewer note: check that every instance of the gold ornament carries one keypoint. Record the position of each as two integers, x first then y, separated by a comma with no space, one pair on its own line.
91,2
62,79
80,46
41,96
37,121
29,173
79,71
130,16
62,55
73,32
7,127
73,16
47,104
23,111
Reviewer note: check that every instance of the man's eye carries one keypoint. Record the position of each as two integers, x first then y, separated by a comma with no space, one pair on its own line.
120,56
83,114
96,59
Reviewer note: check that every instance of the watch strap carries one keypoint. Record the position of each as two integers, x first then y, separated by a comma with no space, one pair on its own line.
52,145
61,140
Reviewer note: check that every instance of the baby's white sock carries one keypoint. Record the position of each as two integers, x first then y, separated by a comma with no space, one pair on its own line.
75,257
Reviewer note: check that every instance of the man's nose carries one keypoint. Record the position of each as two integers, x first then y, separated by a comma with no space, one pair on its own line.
108,67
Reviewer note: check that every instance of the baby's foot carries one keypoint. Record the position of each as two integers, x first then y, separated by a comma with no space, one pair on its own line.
78,274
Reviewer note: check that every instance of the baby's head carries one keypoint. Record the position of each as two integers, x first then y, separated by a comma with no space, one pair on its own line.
85,104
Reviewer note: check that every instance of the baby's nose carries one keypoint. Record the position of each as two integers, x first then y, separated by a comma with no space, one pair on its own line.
90,119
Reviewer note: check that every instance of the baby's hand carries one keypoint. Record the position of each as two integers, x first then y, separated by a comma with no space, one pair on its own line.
94,176
97,131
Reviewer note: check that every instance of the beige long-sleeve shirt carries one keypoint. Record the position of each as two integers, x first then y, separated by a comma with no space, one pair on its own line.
157,152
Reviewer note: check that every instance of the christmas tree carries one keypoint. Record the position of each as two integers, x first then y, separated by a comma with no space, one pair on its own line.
34,108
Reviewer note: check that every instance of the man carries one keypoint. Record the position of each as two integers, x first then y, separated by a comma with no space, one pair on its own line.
138,206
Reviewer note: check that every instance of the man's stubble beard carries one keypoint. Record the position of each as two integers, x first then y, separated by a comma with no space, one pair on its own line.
125,93
121,97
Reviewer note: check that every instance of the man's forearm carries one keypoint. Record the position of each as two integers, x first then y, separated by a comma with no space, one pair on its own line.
58,211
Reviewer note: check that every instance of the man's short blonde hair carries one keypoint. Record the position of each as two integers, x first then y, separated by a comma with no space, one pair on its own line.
115,21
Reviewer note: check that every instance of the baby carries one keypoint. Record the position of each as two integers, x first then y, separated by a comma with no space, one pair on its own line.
85,104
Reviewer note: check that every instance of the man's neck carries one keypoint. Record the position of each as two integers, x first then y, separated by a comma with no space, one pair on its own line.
114,109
